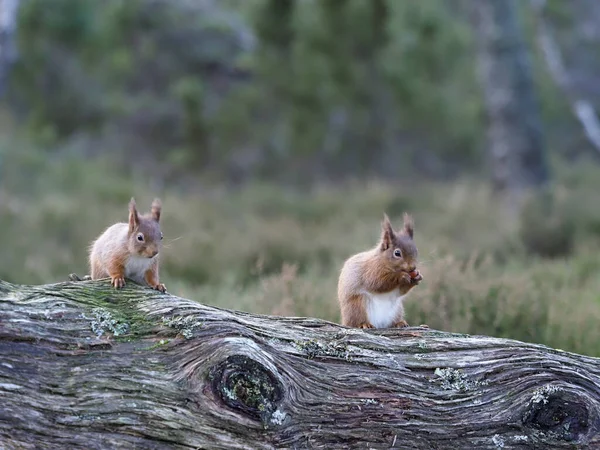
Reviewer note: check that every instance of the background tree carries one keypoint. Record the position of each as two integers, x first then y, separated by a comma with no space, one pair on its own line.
514,128
8,29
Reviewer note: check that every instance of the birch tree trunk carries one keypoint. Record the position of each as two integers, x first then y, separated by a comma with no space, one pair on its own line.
83,366
8,30
514,129
582,108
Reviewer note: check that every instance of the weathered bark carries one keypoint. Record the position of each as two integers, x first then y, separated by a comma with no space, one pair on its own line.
515,136
84,366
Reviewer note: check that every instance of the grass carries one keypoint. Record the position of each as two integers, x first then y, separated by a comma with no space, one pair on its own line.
266,249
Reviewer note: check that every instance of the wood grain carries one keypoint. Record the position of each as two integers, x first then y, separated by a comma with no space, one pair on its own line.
85,366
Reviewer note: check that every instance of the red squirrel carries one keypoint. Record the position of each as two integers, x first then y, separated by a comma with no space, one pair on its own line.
373,283
130,250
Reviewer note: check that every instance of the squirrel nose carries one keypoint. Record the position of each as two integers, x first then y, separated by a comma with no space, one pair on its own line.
154,253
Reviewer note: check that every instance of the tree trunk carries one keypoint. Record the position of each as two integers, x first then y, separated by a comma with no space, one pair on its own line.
514,130
85,366
8,29
582,108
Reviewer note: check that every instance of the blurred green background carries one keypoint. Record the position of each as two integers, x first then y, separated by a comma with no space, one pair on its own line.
278,132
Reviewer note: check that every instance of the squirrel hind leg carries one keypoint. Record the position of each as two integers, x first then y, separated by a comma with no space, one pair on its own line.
400,324
354,313
96,271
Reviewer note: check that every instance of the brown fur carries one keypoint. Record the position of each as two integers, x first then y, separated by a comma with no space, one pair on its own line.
378,271
114,268
400,323
129,249
151,277
354,313
155,210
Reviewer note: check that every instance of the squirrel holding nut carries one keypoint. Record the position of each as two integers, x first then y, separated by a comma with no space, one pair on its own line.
130,250
373,283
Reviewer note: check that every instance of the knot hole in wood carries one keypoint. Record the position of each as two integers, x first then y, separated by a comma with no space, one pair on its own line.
562,414
247,386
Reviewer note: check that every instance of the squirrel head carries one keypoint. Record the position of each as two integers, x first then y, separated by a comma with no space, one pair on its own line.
145,237
398,249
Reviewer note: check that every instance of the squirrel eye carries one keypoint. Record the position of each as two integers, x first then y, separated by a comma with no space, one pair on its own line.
161,236
397,253
140,237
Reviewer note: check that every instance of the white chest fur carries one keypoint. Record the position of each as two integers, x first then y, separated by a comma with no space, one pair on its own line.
136,267
384,309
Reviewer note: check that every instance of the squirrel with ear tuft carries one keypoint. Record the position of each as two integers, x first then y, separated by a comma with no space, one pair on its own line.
373,283
130,250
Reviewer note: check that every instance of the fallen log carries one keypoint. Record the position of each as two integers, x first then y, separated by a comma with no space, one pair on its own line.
85,366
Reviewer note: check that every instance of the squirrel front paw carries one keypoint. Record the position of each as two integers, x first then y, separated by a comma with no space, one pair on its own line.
400,324
160,287
117,282
366,325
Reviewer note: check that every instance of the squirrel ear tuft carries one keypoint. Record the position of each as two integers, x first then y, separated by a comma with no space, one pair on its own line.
134,218
156,208
409,226
387,233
